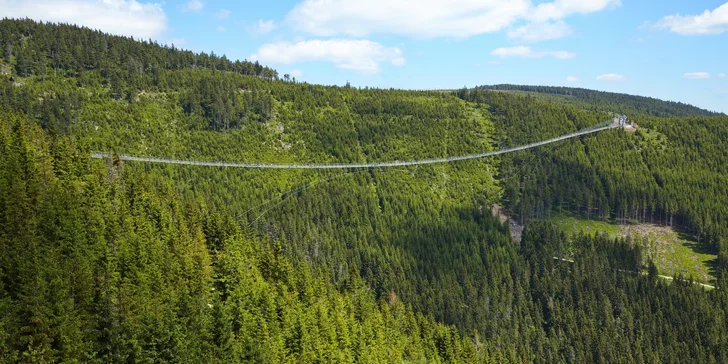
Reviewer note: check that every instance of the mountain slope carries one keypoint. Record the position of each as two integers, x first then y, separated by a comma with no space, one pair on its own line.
178,263
670,171
607,101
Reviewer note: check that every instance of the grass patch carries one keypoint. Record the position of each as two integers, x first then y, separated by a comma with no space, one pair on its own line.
673,253
573,224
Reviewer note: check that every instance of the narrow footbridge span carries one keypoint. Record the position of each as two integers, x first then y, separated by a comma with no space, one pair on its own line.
594,129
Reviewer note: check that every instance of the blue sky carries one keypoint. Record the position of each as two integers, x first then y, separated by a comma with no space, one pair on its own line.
669,49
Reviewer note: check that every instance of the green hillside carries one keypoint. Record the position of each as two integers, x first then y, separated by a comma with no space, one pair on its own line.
607,101
671,171
115,261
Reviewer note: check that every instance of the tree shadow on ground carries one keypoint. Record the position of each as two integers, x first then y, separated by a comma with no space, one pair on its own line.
689,240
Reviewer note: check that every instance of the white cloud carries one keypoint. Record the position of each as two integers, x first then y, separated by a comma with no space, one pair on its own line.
610,77
722,75
417,18
696,75
221,29
709,22
560,9
429,18
359,55
223,14
571,79
535,32
192,5
296,73
264,27
122,17
527,52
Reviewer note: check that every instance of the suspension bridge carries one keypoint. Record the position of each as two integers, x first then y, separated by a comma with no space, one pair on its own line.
594,129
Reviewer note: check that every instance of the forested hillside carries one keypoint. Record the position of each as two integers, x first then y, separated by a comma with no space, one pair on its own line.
607,101
670,171
122,261
44,49
98,264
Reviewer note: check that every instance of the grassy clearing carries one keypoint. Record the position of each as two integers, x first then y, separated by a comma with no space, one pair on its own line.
672,252
573,224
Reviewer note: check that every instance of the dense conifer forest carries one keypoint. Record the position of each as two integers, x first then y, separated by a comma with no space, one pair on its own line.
671,171
607,101
107,260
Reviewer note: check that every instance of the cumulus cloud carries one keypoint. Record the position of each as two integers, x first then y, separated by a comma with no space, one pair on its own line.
696,75
192,5
122,17
722,75
707,23
560,9
359,55
417,18
223,14
264,27
527,52
571,79
610,77
536,32
430,18
221,29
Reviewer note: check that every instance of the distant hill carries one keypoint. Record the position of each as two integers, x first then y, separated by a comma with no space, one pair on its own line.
37,48
608,101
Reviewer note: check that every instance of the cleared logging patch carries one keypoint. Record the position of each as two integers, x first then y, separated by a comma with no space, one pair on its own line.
673,252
